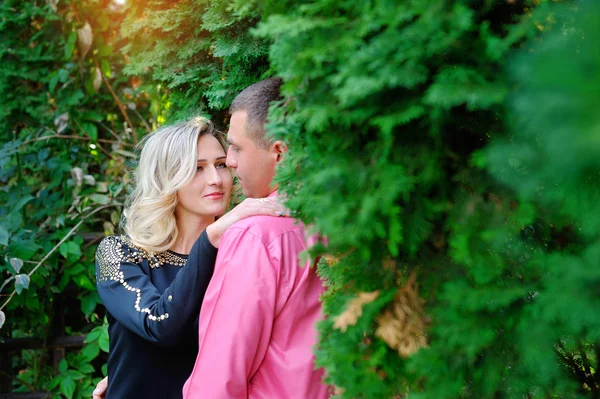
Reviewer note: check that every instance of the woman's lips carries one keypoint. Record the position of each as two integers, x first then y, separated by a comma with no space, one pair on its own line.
214,196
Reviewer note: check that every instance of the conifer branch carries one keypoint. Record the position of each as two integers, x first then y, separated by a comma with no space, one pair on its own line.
596,372
569,360
588,368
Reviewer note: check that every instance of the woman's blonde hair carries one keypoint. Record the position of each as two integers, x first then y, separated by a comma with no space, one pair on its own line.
167,162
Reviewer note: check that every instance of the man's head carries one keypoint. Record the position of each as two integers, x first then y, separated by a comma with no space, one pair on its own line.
251,154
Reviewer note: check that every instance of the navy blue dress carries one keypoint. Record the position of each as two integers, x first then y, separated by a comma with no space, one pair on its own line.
152,303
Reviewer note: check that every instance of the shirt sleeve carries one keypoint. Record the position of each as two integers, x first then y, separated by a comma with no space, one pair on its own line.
132,299
236,318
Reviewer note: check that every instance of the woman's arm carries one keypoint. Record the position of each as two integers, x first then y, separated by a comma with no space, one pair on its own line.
132,299
248,207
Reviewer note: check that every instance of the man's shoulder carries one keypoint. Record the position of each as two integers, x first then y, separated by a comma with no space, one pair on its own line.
267,228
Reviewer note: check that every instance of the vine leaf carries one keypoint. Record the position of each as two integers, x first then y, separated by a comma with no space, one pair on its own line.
53,4
77,175
89,180
97,79
4,236
67,386
61,122
84,39
16,264
21,283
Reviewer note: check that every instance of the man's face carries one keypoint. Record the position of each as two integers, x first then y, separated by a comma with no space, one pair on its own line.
254,166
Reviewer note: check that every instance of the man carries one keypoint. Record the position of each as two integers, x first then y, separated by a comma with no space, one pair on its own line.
257,323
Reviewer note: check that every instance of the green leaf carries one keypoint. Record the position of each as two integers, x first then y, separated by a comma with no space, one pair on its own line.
64,281
75,269
63,366
92,116
55,381
32,302
89,86
90,352
88,303
105,50
21,283
93,335
75,374
87,368
69,248
91,130
70,44
103,341
16,264
4,236
100,199
105,67
103,22
54,78
84,282
22,202
14,220
67,386
23,249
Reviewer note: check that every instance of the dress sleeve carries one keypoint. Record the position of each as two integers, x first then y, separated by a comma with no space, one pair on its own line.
132,299
236,319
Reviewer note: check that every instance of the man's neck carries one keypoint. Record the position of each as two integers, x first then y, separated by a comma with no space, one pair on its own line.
273,189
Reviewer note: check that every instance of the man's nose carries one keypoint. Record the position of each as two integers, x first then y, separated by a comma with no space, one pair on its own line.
230,161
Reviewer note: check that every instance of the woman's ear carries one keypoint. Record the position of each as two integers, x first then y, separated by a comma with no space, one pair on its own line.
279,149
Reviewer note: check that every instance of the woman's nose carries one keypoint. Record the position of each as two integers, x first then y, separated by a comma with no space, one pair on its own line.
214,178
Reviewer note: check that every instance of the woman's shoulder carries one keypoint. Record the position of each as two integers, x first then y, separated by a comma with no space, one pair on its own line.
118,246
114,250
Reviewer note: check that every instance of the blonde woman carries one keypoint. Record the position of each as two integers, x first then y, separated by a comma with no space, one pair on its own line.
152,279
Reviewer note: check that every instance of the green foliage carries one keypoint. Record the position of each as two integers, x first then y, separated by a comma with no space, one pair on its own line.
64,145
201,50
388,110
549,160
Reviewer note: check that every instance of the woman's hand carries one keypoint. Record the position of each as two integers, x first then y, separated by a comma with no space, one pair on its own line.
100,391
248,207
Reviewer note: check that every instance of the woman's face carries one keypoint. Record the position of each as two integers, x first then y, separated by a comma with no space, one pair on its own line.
207,194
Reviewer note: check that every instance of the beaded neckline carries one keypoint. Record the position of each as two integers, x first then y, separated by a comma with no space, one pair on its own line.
156,259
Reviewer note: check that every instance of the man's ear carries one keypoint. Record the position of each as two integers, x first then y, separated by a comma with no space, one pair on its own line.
279,149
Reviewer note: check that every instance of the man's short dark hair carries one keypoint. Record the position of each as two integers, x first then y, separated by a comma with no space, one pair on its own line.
255,100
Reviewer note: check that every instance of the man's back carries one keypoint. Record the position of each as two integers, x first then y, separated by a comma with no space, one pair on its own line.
257,323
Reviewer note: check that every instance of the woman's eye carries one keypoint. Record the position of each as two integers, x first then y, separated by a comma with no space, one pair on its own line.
199,168
221,165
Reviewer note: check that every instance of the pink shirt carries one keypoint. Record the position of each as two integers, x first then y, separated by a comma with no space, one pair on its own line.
257,323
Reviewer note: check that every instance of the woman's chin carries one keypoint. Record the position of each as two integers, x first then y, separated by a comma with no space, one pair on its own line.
218,210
